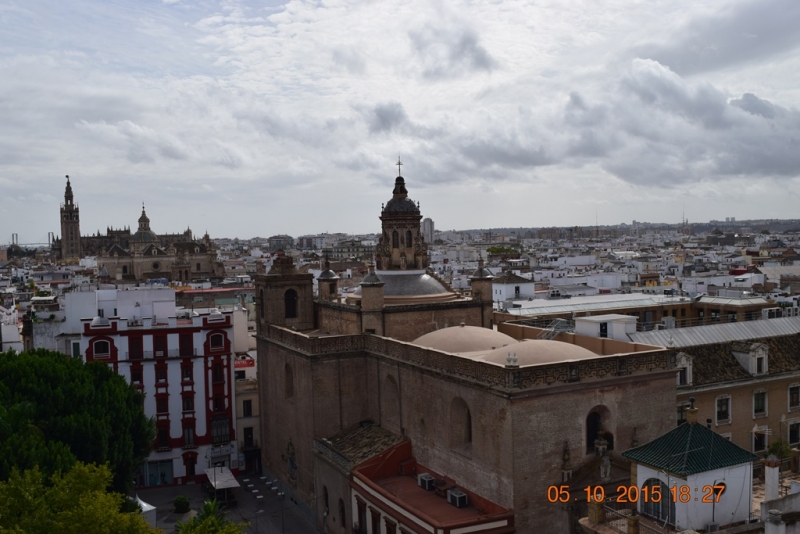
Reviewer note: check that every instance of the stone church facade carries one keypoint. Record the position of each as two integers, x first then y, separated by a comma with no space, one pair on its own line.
502,429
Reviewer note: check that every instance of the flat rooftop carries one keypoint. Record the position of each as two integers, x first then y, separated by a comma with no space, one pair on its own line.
407,491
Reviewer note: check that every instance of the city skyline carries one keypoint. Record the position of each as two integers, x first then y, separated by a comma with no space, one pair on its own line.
287,117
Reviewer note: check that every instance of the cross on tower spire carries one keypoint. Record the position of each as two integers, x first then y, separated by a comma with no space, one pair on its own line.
398,166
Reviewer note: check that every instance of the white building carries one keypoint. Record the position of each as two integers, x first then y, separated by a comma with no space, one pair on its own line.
183,362
704,480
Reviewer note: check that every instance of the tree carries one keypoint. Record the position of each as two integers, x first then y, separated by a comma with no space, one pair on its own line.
73,503
55,410
210,520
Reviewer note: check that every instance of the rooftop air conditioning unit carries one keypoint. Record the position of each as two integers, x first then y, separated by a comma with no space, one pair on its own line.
712,527
425,481
457,498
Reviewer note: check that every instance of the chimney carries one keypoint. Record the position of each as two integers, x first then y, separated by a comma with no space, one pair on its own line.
771,477
691,412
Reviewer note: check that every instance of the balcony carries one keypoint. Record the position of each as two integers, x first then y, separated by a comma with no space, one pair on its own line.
155,354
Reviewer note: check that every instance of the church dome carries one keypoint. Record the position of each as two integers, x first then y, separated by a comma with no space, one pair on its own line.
537,352
407,287
400,203
465,339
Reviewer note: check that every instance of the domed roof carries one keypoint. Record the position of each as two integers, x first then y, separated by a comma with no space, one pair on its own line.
404,283
400,201
537,352
461,339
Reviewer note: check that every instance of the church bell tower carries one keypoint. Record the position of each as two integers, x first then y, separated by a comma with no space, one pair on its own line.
70,226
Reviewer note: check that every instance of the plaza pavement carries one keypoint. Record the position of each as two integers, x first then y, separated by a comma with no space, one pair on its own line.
263,514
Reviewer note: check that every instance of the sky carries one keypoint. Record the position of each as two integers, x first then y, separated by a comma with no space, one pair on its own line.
252,119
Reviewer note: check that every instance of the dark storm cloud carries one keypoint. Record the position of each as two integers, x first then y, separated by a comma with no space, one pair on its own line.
450,53
748,32
752,104
386,117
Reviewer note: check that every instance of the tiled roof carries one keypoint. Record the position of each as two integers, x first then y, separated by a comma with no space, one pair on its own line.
715,363
690,449
363,442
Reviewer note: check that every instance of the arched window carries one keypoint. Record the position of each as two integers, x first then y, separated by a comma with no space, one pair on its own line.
409,241
594,421
102,349
342,512
391,403
595,428
460,425
325,497
288,381
261,303
664,510
290,303
216,341
395,239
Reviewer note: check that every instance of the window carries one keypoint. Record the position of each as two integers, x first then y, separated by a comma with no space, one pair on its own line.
136,376
395,244
188,436
162,405
186,373
342,515
102,349
76,350
197,267
604,330
161,374
760,439
162,437
247,408
220,432
409,240
682,380
239,375
216,341
723,410
216,372
135,348
188,403
794,397
290,304
160,346
794,433
219,403
185,344
759,404
760,365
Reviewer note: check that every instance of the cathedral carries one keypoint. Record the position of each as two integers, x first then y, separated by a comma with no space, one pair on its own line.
142,255
401,408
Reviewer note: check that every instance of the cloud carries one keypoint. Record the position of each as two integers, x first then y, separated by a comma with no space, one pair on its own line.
141,144
742,33
752,104
450,53
386,117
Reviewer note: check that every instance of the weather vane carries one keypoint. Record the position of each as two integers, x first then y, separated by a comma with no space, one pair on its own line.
398,166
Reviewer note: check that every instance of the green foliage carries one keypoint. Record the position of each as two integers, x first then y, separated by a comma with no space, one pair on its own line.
74,503
210,520
181,504
780,448
501,250
55,410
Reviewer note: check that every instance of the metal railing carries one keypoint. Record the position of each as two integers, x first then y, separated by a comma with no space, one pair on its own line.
151,354
617,520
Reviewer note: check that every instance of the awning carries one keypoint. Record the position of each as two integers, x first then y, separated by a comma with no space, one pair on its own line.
221,478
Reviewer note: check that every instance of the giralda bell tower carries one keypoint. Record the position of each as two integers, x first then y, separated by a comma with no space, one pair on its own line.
70,226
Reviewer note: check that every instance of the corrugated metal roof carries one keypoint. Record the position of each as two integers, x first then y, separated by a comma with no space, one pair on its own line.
690,449
719,333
